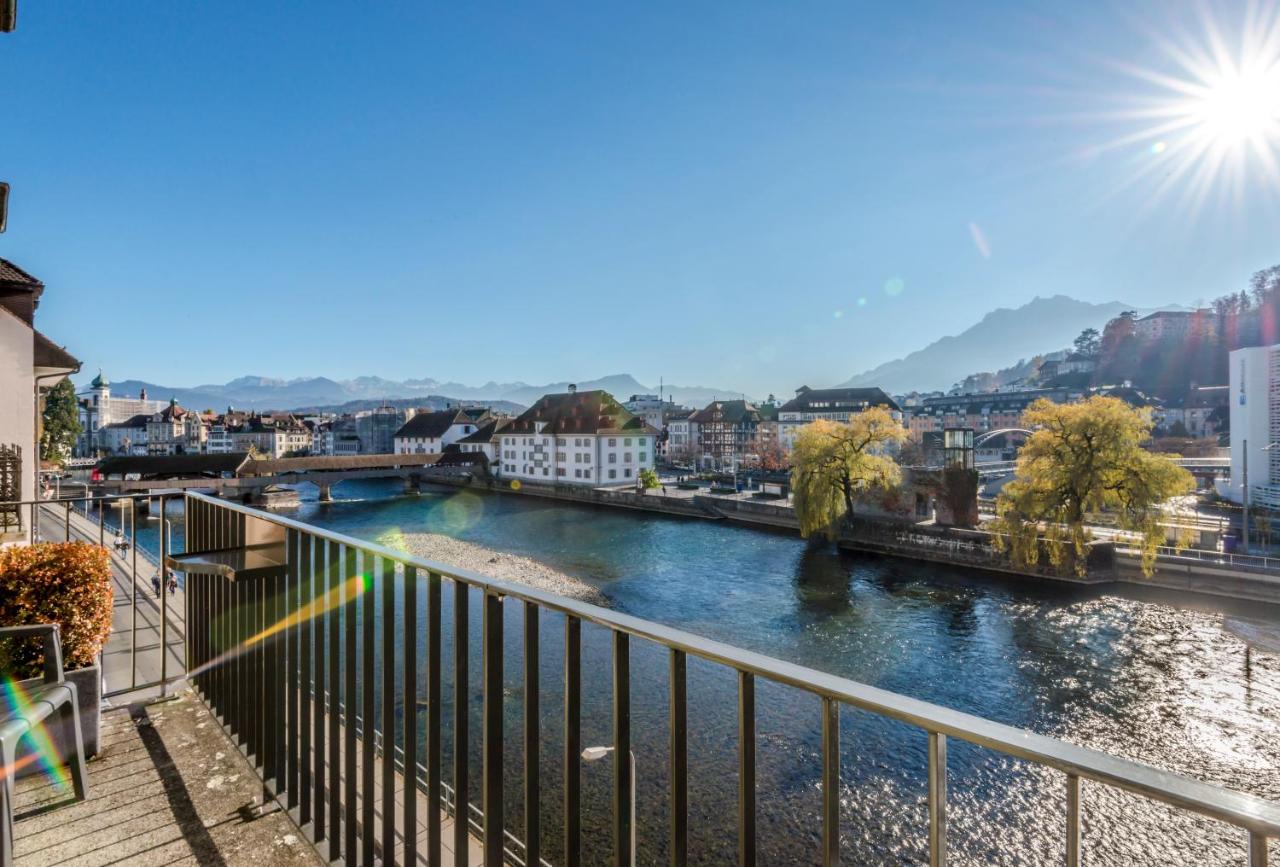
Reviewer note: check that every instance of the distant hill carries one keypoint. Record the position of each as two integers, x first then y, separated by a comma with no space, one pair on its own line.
999,340
261,393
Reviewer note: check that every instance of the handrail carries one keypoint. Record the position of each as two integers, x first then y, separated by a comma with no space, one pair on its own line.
1259,816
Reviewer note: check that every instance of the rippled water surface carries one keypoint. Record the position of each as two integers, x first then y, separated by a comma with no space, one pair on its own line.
1140,673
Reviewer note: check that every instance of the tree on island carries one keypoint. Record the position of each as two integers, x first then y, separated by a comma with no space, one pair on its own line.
834,464
1085,459
61,422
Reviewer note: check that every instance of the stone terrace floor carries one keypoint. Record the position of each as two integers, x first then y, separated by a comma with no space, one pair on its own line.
165,788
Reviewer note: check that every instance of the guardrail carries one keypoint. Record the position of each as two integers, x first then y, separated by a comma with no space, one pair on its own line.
1250,561
85,519
325,775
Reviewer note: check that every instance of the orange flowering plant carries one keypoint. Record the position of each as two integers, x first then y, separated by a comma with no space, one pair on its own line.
68,583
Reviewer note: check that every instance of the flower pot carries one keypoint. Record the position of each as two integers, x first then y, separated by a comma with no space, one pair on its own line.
88,683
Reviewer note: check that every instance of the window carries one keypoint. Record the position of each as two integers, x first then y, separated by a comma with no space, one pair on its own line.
560,441
559,471
545,472
612,442
560,456
627,472
626,458
613,474
641,441
643,457
627,441
586,459
613,457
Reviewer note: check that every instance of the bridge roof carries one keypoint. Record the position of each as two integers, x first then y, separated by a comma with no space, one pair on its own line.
172,466
337,463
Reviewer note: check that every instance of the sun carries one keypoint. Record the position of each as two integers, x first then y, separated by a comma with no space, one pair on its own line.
1239,106
1204,112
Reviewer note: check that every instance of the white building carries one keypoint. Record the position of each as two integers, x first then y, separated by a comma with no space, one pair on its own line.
1255,424
30,364
831,404
682,436
579,438
100,409
487,440
427,433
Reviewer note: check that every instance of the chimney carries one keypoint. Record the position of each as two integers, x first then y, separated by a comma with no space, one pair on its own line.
573,388
142,395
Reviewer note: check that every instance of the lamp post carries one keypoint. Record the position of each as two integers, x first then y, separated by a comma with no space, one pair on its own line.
1244,519
593,754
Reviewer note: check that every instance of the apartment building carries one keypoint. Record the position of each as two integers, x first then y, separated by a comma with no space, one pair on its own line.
580,438
828,404
428,433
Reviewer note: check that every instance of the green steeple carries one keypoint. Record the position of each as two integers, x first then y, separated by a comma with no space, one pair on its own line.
99,381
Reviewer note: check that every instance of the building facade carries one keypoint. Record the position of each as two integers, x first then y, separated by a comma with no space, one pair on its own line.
579,438
726,428
428,433
99,409
1255,425
829,404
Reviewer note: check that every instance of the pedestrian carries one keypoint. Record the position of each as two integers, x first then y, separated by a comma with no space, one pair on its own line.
155,584
664,490
173,585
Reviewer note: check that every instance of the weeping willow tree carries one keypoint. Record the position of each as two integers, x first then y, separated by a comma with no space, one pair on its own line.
1083,460
833,464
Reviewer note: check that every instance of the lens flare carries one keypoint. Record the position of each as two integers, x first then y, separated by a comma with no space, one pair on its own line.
893,286
38,739
335,598
515,484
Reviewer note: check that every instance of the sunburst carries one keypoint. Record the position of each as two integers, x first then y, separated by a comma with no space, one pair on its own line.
1208,117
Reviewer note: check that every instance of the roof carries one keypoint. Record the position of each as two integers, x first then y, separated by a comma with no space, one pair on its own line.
726,412
580,412
486,432
13,277
168,466
838,398
432,425
99,381
137,421
50,355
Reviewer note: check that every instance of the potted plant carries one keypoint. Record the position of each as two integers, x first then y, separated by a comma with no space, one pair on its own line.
67,583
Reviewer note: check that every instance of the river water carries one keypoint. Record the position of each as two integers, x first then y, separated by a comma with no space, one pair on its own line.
1145,674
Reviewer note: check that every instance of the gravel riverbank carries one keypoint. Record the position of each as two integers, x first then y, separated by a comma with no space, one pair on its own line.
495,564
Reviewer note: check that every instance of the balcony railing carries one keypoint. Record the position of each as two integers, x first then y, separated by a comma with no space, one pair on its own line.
311,642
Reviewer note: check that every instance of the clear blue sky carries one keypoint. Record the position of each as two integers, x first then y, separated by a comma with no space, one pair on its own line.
541,192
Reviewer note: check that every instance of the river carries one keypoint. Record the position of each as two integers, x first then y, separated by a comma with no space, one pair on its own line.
1146,674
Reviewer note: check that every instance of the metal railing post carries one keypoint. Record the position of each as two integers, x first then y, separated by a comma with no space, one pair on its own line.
937,799
491,640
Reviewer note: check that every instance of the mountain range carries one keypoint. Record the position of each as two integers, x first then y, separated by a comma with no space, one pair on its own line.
262,393
1001,339
1004,338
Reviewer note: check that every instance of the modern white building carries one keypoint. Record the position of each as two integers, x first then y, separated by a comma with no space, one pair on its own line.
1255,425
578,438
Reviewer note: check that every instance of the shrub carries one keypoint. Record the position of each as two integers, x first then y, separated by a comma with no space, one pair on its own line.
67,583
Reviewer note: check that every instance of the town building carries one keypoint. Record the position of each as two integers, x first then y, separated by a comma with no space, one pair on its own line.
1176,324
428,433
487,440
681,437
376,429
983,411
726,428
1201,412
175,431
830,404
30,364
579,438
99,408
1255,426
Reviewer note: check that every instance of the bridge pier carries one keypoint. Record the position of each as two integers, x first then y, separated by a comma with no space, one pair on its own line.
326,493
413,484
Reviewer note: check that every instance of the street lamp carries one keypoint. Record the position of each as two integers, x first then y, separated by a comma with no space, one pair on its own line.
594,754
1244,518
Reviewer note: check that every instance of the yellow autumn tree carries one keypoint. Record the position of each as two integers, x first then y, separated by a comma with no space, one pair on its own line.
833,464
1082,460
